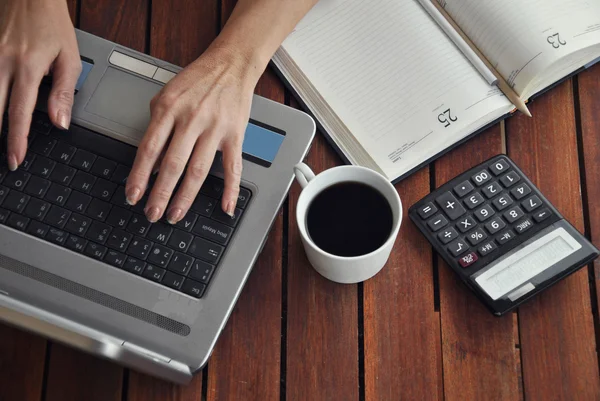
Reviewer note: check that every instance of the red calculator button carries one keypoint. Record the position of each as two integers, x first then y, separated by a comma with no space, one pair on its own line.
468,259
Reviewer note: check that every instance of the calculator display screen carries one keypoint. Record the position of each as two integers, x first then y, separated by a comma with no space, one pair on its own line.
524,263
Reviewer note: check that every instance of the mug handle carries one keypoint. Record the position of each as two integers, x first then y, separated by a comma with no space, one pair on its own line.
303,174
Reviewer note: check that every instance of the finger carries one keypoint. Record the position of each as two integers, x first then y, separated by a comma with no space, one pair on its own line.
65,73
232,166
197,170
171,168
4,87
149,150
22,102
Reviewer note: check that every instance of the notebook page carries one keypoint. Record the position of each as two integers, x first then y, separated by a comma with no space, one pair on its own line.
392,76
524,38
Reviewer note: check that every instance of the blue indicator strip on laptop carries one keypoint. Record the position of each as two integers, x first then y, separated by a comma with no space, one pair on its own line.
261,143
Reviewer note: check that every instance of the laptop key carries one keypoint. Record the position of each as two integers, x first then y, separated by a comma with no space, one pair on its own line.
62,174
42,167
78,224
16,201
98,232
62,152
201,271
160,233
180,240
134,265
139,248
172,280
120,175
83,182
193,288
37,187
119,240
138,225
212,230
115,258
119,198
57,194
83,160
204,205
38,229
40,122
118,217
57,217
17,179
76,243
103,189
212,187
78,202
27,161
17,221
42,145
205,250
187,222
219,215
94,250
37,209
154,273
3,215
160,256
98,210
103,168
243,198
180,263
56,236
3,193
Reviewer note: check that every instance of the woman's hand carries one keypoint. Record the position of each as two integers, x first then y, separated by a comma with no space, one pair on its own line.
36,37
203,109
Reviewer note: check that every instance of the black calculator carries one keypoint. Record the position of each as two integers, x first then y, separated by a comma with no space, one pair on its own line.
498,232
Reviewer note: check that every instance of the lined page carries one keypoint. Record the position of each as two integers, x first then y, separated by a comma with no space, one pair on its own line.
524,38
392,76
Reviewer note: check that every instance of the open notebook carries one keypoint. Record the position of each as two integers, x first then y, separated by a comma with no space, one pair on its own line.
392,91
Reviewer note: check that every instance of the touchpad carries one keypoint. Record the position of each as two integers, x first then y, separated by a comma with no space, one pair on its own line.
123,98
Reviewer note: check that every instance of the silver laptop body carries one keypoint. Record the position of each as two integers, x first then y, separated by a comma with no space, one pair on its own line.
112,313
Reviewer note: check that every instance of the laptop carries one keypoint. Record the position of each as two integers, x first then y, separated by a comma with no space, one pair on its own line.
80,266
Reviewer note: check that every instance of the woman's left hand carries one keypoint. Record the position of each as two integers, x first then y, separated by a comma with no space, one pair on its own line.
203,109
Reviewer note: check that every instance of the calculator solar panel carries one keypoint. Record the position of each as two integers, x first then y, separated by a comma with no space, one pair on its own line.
498,232
70,191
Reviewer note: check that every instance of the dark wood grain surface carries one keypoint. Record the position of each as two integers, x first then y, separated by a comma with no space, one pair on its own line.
413,332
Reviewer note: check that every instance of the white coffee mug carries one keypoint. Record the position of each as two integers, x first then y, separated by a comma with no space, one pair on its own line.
338,268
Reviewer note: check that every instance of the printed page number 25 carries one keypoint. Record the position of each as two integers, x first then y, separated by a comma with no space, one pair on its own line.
447,118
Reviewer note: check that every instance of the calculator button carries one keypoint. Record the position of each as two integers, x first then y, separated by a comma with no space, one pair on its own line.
520,191
523,226
468,259
437,223
513,214
457,247
474,200
466,224
427,210
542,215
476,236
502,202
463,188
447,235
484,213
493,226
531,203
481,178
505,237
450,205
510,179
499,166
492,189
487,248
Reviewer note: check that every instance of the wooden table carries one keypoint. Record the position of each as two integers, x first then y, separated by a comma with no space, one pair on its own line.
413,332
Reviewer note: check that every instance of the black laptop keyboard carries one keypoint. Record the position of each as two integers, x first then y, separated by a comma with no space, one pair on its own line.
70,191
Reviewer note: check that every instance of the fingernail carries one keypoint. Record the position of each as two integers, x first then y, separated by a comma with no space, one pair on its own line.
174,216
12,163
133,196
230,209
152,214
63,119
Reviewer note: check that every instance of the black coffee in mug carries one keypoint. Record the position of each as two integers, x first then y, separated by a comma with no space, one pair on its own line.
349,219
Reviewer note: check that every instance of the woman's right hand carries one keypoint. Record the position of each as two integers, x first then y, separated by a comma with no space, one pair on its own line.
36,37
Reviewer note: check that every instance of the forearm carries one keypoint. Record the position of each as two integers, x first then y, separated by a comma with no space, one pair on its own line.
256,28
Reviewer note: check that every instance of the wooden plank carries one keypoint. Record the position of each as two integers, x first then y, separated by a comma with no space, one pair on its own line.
180,31
72,5
589,89
322,316
556,327
122,21
480,361
401,327
246,362
22,357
